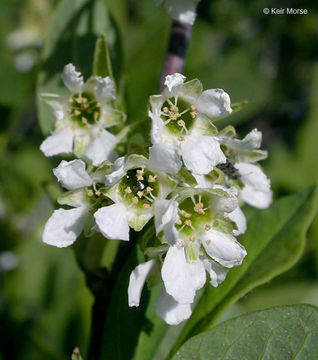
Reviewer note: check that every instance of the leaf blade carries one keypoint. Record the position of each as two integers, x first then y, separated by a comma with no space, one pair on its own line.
259,336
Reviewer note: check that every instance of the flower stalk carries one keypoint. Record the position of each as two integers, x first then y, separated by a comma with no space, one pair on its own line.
177,47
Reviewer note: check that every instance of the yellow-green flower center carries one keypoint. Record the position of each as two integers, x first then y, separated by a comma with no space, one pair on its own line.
97,197
139,188
84,109
178,116
194,212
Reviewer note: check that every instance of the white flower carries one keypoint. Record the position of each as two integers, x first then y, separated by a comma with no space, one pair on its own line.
135,185
181,10
181,122
166,306
85,196
203,242
241,158
82,116
196,226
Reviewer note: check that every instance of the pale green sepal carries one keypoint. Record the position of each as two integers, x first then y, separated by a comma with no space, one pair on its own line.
252,155
203,126
154,252
80,143
89,226
228,131
135,161
238,106
74,198
185,177
219,175
98,175
114,117
190,253
224,225
138,221
184,193
191,90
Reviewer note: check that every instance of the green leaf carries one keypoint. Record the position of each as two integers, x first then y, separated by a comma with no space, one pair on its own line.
274,241
101,64
70,38
286,332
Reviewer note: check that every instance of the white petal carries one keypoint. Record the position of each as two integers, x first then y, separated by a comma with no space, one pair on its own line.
112,222
117,173
72,79
214,103
226,203
72,174
54,100
166,215
170,310
203,181
137,280
217,272
253,175
223,248
252,140
256,191
182,279
201,153
164,157
256,198
174,81
104,88
240,220
61,141
101,146
64,226
156,127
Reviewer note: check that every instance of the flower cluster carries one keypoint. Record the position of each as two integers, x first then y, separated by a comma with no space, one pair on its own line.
192,182
82,116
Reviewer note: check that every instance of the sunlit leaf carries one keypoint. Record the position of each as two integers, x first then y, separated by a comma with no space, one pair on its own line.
287,332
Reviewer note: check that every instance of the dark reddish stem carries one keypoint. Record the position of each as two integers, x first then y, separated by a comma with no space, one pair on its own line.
177,48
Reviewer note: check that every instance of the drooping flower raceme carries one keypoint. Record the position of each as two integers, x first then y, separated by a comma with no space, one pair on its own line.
82,116
196,226
192,183
183,11
181,120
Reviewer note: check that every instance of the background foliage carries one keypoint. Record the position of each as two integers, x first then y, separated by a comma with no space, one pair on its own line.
269,60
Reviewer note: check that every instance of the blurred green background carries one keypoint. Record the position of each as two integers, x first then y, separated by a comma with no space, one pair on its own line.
269,60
